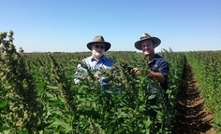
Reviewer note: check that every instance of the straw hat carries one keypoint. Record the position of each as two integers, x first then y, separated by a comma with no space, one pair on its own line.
99,39
146,36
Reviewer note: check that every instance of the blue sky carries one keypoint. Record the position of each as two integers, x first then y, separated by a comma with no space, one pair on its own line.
68,25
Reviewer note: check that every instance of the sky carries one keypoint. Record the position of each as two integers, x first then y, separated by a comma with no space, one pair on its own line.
68,25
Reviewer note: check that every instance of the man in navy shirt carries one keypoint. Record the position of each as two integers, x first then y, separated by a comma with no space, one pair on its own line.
158,66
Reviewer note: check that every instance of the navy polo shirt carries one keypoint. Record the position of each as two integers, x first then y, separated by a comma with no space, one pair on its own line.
159,64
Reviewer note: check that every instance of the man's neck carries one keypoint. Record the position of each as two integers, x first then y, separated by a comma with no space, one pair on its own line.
151,56
96,58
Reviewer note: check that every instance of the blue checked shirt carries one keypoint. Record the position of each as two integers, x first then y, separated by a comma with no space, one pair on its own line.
103,63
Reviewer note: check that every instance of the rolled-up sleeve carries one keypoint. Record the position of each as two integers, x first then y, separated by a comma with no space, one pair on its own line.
79,73
164,68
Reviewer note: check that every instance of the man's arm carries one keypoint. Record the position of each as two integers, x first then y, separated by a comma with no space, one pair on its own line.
157,75
162,73
79,74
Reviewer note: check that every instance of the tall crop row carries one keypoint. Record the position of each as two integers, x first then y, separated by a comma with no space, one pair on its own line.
38,94
207,69
21,109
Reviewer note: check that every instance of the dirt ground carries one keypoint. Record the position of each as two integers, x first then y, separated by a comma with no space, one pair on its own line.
192,117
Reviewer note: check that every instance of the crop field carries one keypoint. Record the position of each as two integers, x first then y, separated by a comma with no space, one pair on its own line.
38,94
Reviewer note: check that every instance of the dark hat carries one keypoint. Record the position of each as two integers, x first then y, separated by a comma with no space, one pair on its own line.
146,36
99,39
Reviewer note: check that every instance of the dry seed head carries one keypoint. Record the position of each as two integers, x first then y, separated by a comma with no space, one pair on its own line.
4,78
19,123
11,33
21,50
3,45
26,114
3,35
11,46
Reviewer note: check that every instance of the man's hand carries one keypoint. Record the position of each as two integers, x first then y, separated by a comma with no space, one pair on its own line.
96,76
150,73
135,71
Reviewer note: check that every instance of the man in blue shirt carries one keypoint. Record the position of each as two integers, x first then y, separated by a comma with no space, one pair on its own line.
96,61
158,66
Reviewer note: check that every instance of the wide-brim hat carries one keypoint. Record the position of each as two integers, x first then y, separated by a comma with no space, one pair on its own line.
146,36
99,39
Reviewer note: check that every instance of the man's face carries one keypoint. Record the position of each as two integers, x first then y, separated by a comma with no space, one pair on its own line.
98,49
147,47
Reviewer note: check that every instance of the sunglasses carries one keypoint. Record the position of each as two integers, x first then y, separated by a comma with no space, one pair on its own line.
99,46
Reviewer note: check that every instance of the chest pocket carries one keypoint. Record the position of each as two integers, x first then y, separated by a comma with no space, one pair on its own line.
154,66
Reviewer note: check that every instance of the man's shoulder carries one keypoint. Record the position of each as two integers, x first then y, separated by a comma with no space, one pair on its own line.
108,59
160,58
87,58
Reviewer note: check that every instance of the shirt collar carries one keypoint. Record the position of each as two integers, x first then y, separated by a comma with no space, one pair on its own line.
156,56
103,58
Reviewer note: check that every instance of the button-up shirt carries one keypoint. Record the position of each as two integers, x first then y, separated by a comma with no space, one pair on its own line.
93,65
159,64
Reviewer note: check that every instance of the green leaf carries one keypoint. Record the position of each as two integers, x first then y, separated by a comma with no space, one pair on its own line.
3,103
53,100
63,124
56,102
54,111
24,132
3,128
151,97
52,87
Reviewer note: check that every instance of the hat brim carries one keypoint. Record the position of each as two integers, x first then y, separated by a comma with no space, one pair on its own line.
156,41
107,45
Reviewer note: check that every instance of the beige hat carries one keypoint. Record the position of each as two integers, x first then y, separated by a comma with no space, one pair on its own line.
99,39
146,36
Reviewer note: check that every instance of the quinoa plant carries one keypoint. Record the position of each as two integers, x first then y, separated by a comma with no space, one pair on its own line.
23,111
